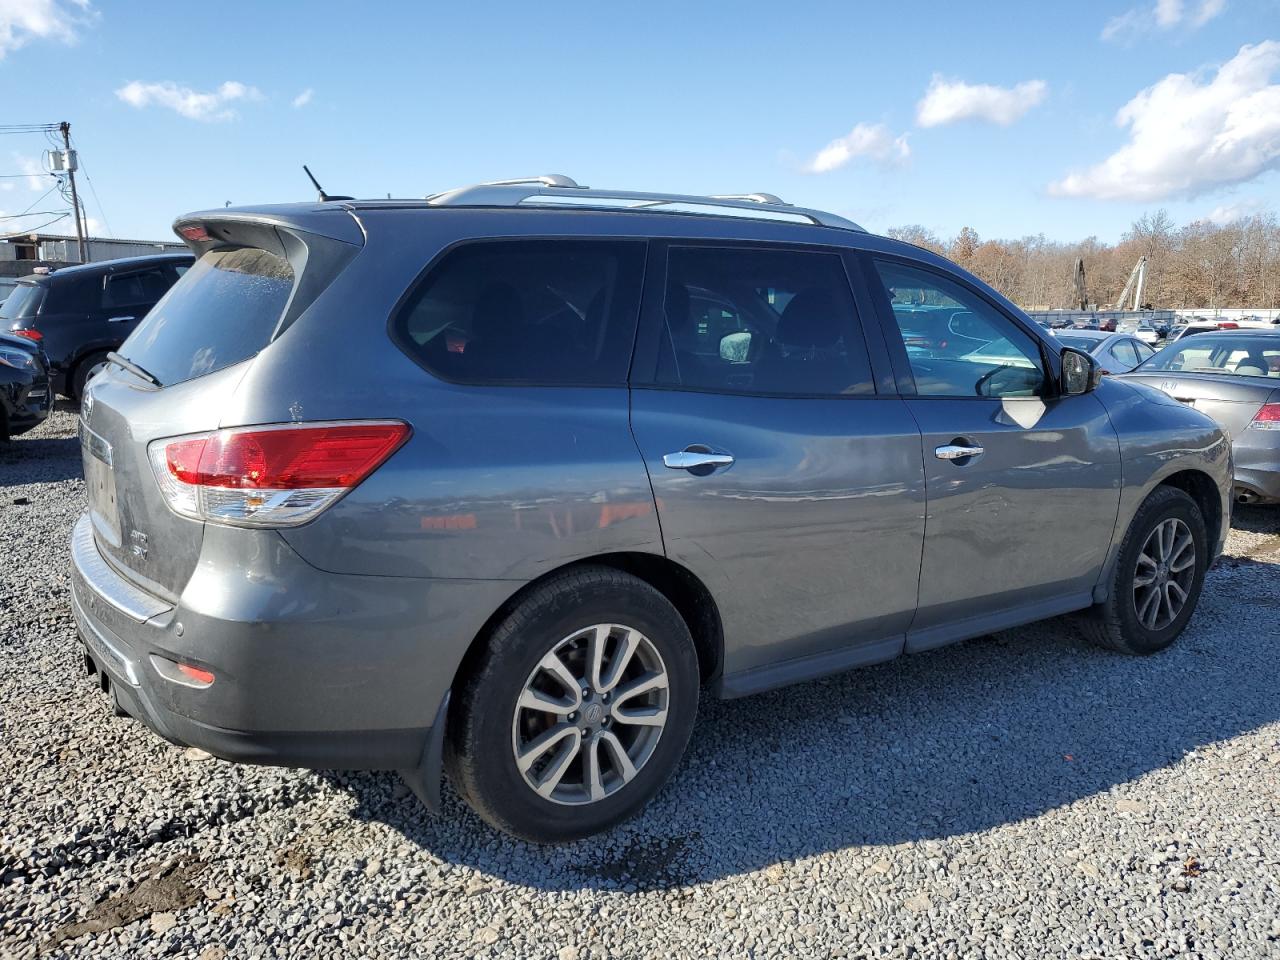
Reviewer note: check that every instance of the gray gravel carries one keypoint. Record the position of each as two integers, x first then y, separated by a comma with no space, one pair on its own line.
1019,795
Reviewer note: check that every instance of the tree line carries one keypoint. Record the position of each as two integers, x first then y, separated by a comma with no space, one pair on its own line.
1199,265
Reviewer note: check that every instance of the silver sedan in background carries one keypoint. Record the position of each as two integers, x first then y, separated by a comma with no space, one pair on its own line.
1234,377
1115,352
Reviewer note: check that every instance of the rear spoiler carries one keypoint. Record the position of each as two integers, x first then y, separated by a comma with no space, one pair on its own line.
316,256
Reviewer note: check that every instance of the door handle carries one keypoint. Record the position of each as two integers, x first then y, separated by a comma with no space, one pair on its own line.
696,460
957,451
119,319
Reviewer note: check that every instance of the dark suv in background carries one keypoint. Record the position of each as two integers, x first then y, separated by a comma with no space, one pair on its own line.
79,314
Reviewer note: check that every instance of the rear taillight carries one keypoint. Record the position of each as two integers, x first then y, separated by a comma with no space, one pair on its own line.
277,476
30,334
1268,418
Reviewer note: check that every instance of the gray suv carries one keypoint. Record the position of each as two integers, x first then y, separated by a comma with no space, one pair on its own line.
496,482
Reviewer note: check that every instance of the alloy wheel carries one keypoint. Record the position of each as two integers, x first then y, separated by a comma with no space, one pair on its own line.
1164,574
590,714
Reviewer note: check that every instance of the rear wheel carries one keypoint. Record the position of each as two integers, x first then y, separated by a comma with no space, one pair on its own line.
1158,576
579,709
86,369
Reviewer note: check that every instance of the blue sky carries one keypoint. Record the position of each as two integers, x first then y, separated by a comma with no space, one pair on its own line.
1000,116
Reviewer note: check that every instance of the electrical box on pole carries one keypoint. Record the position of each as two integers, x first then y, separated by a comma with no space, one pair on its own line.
62,161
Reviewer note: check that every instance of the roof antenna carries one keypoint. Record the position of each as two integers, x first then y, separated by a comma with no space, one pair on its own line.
319,189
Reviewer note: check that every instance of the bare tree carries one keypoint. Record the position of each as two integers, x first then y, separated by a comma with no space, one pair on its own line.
1202,264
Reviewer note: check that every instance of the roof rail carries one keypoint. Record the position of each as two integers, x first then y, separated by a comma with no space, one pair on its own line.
555,189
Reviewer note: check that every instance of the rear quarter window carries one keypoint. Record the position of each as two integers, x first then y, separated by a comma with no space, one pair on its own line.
224,310
557,312
23,302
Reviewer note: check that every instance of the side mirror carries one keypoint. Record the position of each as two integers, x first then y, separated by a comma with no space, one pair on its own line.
1080,372
736,347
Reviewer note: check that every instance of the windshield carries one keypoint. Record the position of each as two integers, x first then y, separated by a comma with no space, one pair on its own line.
23,303
1230,354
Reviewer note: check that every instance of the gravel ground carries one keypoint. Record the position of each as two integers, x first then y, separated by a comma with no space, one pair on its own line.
1019,795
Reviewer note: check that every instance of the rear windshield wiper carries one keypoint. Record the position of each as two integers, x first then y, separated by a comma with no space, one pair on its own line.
133,368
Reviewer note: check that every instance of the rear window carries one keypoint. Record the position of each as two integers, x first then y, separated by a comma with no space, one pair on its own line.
558,312
1242,356
224,310
23,303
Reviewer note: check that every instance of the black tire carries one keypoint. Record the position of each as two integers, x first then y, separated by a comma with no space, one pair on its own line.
81,375
1115,624
480,751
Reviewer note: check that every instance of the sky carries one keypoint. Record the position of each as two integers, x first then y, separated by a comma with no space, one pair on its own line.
1014,118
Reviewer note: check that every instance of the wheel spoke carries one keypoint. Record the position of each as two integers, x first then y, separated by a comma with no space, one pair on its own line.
647,717
591,769
538,747
621,660
595,653
640,685
555,772
553,665
1144,579
1168,531
1145,607
1181,559
621,762
1182,595
537,700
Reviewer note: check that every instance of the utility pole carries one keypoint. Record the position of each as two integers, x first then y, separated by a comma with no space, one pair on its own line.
65,128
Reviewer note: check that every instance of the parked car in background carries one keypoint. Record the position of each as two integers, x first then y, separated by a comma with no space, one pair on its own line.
1148,333
1115,352
25,395
1191,329
1234,377
467,484
79,314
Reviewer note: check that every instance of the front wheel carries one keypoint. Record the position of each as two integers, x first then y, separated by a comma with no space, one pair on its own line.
1158,576
578,710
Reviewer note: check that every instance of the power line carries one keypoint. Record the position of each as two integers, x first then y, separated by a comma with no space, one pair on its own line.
30,230
94,190
34,213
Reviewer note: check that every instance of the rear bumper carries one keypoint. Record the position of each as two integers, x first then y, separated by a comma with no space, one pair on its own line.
1257,465
311,669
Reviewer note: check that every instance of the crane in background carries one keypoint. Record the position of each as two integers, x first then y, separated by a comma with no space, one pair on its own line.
1137,284
1077,282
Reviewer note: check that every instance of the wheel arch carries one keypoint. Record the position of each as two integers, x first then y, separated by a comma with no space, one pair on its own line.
685,591
1204,491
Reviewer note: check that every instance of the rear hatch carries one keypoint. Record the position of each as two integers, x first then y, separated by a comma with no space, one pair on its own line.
254,275
1233,401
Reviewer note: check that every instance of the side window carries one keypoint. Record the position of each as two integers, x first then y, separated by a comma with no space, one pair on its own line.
527,311
959,345
1144,350
1125,353
745,320
133,288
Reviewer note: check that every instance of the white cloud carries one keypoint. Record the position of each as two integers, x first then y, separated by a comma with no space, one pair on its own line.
1187,136
302,99
1225,213
864,140
190,103
947,101
37,178
1165,15
22,21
